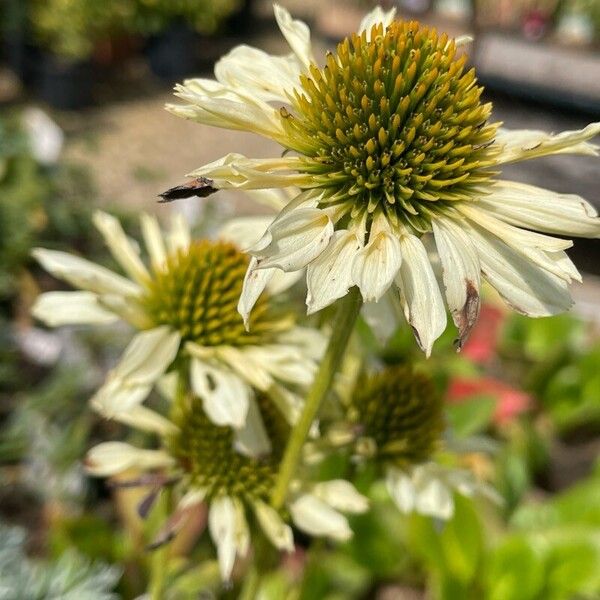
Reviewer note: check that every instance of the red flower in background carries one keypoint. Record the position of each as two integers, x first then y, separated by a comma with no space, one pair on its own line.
481,345
510,402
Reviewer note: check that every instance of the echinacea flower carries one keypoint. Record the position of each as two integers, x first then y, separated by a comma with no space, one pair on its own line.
390,144
184,305
201,461
395,421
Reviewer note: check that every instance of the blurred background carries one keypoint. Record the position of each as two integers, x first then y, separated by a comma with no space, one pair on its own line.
82,125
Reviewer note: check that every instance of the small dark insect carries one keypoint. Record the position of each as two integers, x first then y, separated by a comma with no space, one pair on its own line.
201,187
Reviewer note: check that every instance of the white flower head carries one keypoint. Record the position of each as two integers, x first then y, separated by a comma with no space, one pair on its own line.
389,142
208,463
184,304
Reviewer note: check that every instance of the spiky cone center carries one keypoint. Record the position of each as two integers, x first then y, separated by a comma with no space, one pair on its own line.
401,412
197,292
393,123
208,459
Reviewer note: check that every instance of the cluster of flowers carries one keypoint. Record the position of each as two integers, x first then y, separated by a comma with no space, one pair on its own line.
388,185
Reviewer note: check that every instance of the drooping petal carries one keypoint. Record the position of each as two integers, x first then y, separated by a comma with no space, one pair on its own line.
401,489
146,419
146,359
252,439
246,365
524,286
71,308
286,363
225,397
341,495
375,266
329,276
377,15
84,274
536,208
296,33
461,274
254,284
535,247
244,232
222,526
316,517
211,103
178,236
420,294
111,458
525,143
383,316
272,524
270,78
236,171
122,249
311,341
435,499
296,239
154,241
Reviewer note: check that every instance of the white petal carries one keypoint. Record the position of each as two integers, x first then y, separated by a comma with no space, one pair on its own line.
255,282
316,517
401,489
282,281
246,365
420,294
536,208
296,239
377,15
525,144
124,252
435,499
462,40
461,273
84,274
211,103
311,341
270,78
111,458
272,524
154,242
236,171
245,231
296,33
252,439
329,276
71,308
384,316
274,199
525,287
222,519
145,360
342,495
225,398
376,265
286,363
146,419
179,237
242,531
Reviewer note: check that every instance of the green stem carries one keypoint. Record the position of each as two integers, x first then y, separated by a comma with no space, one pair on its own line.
251,584
160,556
342,327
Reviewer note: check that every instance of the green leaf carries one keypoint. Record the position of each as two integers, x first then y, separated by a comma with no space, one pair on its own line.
471,416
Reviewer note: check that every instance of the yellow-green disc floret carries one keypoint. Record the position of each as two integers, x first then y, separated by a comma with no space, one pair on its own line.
402,412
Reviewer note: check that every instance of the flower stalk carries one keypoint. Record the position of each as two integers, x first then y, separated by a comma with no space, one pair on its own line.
342,327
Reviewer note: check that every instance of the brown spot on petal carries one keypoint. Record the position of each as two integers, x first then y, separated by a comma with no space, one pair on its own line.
201,187
467,317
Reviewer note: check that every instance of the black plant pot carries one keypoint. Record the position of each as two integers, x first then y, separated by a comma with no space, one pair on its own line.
172,54
22,58
64,83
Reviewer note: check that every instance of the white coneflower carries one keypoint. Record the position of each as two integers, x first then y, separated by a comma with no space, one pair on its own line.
389,142
201,458
184,304
396,421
